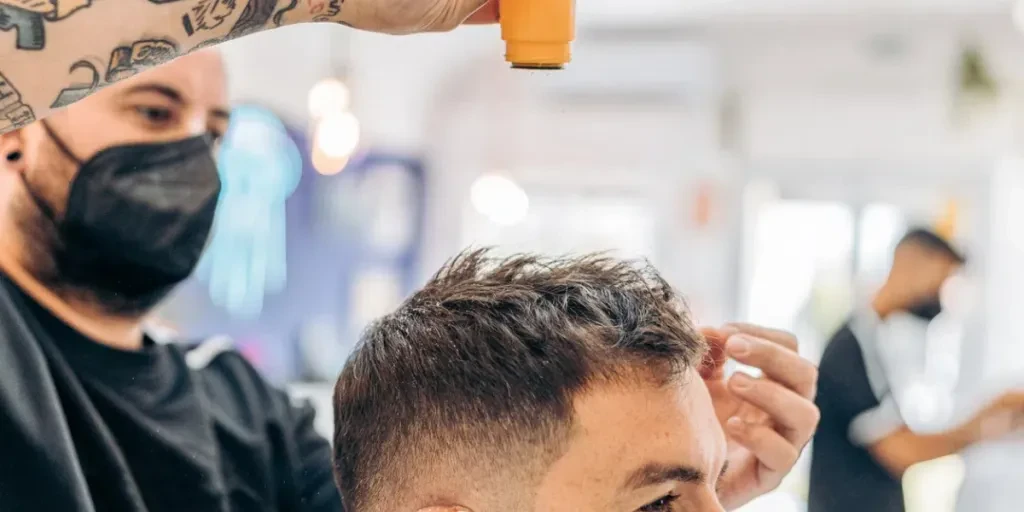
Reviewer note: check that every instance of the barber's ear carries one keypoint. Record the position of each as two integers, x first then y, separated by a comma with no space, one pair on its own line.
12,152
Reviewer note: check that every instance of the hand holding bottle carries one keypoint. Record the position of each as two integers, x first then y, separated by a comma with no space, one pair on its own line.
413,16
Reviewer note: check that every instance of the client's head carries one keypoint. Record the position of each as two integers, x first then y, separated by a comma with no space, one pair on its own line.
525,384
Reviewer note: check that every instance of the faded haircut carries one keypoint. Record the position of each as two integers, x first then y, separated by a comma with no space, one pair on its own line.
477,371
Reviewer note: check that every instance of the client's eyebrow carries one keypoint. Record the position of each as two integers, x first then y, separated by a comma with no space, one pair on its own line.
653,474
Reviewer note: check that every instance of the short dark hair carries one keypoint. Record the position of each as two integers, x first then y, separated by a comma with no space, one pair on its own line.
932,242
483,363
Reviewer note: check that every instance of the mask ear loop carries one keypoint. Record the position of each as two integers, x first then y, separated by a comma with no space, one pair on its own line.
45,208
61,145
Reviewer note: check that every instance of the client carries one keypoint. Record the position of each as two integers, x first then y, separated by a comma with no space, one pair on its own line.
527,384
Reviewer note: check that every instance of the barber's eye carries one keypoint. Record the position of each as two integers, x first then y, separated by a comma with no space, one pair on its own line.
155,114
663,504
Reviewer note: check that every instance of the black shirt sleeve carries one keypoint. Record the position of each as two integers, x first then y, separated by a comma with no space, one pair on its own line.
300,457
38,469
312,468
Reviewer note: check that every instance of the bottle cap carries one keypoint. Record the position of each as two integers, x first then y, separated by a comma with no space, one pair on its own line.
537,55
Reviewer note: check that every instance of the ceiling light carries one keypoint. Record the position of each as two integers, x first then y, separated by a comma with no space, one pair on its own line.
328,96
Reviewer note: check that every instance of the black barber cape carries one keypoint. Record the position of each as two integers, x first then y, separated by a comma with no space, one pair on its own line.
84,427
844,475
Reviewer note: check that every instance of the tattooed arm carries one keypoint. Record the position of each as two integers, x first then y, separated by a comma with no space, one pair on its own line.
55,52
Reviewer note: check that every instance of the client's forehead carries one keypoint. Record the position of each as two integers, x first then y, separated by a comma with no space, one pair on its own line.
620,430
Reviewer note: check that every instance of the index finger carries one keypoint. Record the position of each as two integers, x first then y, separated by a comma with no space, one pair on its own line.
485,15
778,363
777,336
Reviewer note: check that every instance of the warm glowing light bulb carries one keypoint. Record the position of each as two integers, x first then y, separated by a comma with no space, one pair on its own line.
337,135
328,96
499,199
326,164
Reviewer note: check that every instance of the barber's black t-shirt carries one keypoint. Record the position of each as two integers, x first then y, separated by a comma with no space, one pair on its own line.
844,476
85,427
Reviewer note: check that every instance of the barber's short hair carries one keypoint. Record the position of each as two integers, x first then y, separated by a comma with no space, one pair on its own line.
481,366
932,242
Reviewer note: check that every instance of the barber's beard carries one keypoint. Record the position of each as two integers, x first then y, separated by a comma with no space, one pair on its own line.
46,256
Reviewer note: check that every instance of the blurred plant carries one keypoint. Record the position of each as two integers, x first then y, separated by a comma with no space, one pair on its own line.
976,87
975,78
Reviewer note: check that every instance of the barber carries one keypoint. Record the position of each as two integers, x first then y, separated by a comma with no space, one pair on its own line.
105,207
863,446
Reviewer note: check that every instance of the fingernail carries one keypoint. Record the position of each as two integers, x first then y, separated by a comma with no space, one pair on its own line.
742,381
738,345
735,423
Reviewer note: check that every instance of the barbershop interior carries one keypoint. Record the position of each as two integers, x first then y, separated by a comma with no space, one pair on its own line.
767,157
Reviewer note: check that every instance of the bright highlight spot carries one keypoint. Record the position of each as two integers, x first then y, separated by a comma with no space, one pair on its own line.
327,97
499,199
338,135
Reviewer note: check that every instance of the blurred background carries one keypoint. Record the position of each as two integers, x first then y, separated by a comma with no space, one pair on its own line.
765,155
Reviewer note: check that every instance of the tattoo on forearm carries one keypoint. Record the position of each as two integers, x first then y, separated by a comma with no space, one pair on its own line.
125,61
321,10
279,15
324,10
78,90
27,18
254,17
207,15
14,113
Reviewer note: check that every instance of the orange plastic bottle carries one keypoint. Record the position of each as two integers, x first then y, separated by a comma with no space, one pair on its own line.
538,33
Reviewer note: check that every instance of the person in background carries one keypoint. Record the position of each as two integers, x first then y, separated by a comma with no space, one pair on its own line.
862,446
56,52
528,384
105,207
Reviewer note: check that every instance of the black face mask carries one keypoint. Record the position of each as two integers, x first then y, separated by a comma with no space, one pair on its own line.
137,220
927,309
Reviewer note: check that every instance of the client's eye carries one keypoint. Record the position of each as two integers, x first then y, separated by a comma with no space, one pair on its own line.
662,504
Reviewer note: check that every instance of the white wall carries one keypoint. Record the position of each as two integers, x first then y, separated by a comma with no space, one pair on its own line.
278,68
815,95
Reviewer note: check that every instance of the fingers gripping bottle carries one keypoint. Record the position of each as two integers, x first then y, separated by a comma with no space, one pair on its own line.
538,33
